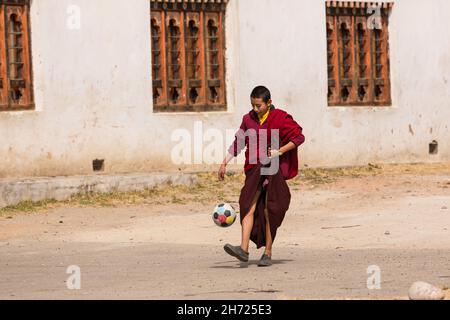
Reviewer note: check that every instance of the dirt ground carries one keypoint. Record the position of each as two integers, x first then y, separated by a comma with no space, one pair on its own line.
163,244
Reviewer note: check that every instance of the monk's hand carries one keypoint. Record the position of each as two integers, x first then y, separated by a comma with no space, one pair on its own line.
274,153
222,171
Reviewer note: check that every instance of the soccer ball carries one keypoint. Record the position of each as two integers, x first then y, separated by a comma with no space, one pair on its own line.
224,215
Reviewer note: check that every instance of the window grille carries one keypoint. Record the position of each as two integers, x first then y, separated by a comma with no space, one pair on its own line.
15,56
188,68
358,53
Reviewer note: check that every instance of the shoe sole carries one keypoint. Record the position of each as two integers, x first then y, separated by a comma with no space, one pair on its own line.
233,254
264,265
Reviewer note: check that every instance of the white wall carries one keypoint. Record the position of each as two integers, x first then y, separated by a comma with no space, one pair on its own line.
294,66
93,88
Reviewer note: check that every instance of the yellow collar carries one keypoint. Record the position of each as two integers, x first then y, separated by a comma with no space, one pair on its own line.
263,118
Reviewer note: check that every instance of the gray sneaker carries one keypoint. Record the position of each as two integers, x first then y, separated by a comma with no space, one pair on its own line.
237,252
265,261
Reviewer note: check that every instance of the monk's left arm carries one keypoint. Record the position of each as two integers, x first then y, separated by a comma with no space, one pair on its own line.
288,147
292,132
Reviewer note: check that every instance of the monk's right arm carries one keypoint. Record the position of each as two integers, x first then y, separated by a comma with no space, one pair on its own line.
227,159
238,145
223,166
234,150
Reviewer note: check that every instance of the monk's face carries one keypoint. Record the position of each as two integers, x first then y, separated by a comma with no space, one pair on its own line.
260,107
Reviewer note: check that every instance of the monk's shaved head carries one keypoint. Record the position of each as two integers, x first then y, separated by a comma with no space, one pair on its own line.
261,92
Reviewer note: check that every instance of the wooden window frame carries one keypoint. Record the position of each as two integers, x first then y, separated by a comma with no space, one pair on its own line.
357,60
16,80
188,55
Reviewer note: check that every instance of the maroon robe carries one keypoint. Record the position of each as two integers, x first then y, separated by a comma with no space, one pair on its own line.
278,201
274,189
289,130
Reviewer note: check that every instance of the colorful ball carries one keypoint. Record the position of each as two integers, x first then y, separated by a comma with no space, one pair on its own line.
224,215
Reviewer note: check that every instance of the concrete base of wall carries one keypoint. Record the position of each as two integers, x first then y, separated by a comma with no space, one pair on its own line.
14,191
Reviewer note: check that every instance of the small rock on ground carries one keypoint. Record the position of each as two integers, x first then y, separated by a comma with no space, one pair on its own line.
424,291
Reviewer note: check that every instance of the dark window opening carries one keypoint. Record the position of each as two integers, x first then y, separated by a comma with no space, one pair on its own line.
98,165
433,148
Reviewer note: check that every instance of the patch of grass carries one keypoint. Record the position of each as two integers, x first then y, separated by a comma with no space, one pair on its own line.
209,189
318,176
26,207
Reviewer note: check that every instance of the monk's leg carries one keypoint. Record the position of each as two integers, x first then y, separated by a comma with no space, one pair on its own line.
269,240
247,223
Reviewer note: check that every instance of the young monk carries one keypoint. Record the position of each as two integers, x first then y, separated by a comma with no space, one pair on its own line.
265,197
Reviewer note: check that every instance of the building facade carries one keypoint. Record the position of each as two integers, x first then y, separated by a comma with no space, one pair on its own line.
100,85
